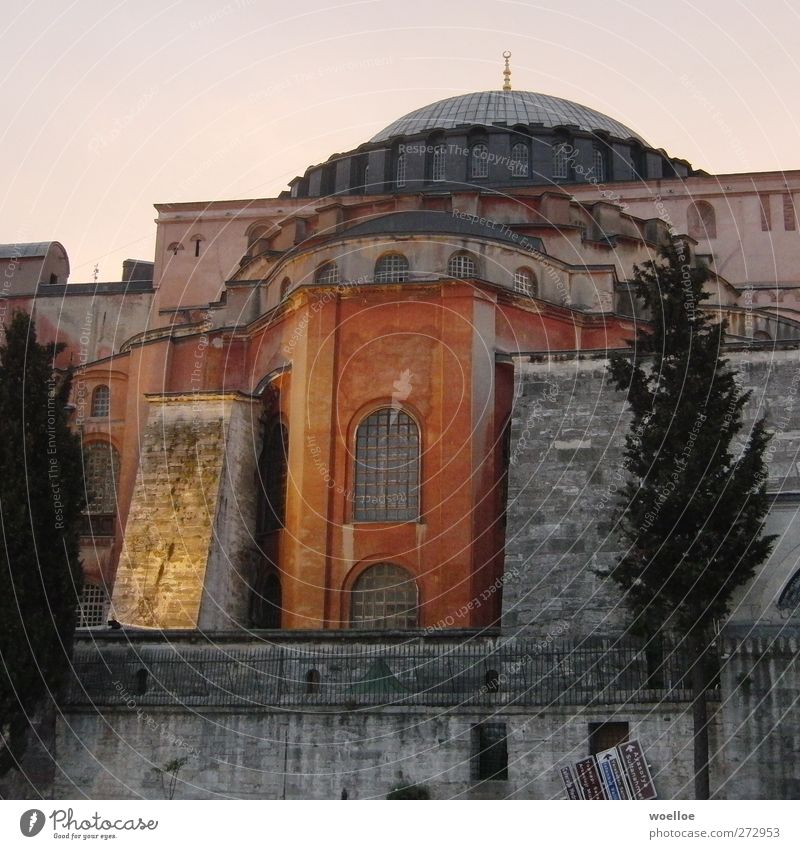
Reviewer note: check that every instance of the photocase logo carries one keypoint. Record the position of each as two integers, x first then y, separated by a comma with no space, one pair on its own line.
31,822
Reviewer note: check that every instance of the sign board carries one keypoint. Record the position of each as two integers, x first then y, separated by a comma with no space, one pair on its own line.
570,781
636,771
589,779
612,773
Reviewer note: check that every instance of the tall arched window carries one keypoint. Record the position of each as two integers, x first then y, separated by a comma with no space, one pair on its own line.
400,171
462,266
100,474
285,284
327,274
479,161
520,160
101,401
391,268
439,164
638,161
197,240
387,468
384,597
599,168
525,282
702,220
273,468
561,157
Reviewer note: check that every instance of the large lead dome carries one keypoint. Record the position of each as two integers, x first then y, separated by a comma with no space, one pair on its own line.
490,108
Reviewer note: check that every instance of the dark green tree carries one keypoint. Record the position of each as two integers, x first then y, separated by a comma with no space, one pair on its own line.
41,498
691,515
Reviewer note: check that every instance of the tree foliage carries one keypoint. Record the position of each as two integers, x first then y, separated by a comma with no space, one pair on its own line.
692,512
41,498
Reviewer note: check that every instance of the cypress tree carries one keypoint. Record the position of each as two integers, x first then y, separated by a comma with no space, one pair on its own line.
41,498
691,514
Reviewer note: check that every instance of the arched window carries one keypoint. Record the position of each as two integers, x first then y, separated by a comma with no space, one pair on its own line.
479,161
400,171
520,157
561,158
790,597
175,247
384,597
391,268
639,161
327,274
462,266
266,602
101,473
525,282
285,284
101,401
599,169
387,468
439,165
702,220
273,472
196,240
92,609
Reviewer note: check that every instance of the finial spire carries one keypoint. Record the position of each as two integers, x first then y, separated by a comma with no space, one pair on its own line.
507,72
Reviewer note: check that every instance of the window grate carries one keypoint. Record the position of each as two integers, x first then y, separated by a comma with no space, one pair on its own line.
523,282
400,173
480,161
461,266
439,169
387,468
519,160
92,610
101,472
392,268
328,274
561,161
384,597
101,402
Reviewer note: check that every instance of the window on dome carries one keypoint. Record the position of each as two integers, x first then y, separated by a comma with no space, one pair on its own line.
561,155
461,266
384,597
519,160
327,274
525,282
101,401
400,171
439,167
391,268
599,164
479,161
387,468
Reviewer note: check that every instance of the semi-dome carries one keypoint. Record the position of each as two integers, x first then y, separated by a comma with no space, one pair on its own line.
503,107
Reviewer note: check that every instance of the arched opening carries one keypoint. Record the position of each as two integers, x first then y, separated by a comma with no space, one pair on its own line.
462,266
284,290
384,597
479,160
391,268
520,159
387,468
196,241
273,473
702,220
327,274
525,282
562,156
101,401
436,158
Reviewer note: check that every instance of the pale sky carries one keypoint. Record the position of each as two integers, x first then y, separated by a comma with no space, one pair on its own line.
110,107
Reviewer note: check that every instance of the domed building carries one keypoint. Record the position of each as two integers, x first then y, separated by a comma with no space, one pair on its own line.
350,445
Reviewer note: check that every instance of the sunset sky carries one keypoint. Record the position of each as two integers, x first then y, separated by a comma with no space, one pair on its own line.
110,107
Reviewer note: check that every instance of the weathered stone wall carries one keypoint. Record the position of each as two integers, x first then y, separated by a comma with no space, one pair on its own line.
314,754
568,431
168,535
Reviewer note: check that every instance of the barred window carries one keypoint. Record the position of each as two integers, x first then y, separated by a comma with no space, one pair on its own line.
479,161
387,468
561,153
101,401
519,160
439,169
525,282
599,163
92,610
101,472
400,171
391,268
384,597
327,274
461,266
